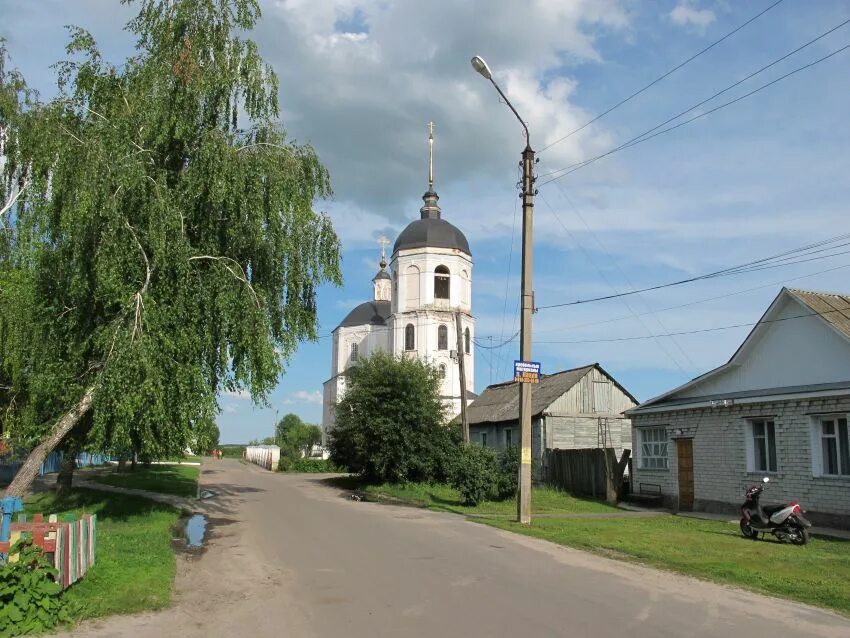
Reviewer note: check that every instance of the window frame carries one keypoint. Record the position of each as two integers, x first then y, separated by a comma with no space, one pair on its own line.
467,340
442,337
409,338
442,283
768,437
643,457
841,438
354,352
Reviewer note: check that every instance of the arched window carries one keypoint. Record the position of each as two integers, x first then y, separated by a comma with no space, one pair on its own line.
442,371
466,340
441,282
442,338
464,288
411,285
409,337
355,350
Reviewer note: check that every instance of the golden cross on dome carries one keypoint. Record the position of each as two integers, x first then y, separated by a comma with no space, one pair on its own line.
383,242
430,155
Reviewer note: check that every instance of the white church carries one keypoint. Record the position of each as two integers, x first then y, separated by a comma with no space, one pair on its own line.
414,307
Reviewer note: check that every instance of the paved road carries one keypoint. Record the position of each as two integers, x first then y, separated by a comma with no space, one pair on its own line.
290,556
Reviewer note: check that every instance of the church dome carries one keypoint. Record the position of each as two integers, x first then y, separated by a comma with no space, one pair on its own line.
431,231
373,313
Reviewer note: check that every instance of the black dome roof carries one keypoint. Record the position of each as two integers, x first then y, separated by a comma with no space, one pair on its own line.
433,233
370,312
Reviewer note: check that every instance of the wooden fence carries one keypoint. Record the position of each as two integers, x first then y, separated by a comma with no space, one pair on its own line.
593,472
70,545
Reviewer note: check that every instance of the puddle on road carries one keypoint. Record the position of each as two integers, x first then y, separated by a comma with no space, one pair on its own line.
196,529
189,534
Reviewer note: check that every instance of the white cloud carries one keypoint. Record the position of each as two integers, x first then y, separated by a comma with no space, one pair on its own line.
239,395
303,396
230,408
686,14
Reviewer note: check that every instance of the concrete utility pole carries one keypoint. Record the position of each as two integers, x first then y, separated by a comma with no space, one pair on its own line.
461,364
527,298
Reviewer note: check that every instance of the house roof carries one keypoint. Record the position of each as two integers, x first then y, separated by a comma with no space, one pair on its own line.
500,402
832,308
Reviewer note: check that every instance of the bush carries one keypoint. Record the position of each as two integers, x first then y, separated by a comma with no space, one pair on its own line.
508,482
476,474
390,426
30,602
313,466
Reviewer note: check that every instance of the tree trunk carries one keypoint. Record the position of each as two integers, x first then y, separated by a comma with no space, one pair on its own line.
65,477
29,470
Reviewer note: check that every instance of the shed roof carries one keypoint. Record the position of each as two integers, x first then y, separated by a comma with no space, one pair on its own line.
500,402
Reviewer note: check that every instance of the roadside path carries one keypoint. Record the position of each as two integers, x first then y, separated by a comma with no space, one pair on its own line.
290,556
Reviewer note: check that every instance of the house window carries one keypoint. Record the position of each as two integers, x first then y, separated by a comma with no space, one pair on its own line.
835,446
483,436
441,282
409,337
442,338
653,448
509,437
466,341
355,350
763,432
442,371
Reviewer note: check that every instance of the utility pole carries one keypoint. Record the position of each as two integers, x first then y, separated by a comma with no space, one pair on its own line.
524,504
527,298
461,364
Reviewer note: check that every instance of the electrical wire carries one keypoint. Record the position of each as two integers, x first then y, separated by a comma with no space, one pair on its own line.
661,77
753,266
645,137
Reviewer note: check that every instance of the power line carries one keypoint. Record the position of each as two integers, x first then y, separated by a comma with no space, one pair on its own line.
661,77
644,137
696,302
759,264
699,331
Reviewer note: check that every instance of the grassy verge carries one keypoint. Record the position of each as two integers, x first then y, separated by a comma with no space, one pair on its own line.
181,480
818,573
135,565
444,498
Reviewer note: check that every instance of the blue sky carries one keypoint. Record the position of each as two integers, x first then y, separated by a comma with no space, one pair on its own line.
360,80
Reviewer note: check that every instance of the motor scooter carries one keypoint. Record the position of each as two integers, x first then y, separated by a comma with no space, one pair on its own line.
786,522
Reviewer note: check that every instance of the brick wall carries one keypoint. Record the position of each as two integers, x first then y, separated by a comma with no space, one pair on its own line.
720,457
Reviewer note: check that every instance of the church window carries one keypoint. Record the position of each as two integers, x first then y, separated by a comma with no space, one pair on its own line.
355,350
442,338
409,337
466,341
441,282
465,288
442,371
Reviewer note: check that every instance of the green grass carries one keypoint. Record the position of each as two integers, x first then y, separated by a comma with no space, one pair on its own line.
444,498
818,573
134,566
181,480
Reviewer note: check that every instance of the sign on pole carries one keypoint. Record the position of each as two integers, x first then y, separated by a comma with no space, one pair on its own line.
527,371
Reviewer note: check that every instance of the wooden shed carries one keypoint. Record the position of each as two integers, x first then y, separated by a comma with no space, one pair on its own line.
573,409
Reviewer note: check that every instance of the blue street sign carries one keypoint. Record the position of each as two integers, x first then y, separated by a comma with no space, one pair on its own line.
527,371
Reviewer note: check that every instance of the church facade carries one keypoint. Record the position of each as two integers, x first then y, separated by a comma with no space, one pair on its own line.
418,299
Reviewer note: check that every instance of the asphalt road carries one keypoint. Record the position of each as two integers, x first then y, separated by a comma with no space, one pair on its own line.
291,556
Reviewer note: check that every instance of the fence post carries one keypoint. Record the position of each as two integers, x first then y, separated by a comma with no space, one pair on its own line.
9,505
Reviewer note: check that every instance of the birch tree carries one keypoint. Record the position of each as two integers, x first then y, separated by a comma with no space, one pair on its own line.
158,241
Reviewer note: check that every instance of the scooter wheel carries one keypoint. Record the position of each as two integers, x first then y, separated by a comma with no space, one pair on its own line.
798,535
748,531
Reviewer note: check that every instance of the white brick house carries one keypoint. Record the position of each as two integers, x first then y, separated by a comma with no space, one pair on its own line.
779,408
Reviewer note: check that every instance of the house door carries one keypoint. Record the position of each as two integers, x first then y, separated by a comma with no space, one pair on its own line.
685,454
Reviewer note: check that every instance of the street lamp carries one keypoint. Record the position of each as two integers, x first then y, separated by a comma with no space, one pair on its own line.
527,302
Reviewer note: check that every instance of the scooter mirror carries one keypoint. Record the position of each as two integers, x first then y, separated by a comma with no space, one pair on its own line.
765,480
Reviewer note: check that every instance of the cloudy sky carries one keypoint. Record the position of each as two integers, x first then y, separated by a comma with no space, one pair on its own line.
360,79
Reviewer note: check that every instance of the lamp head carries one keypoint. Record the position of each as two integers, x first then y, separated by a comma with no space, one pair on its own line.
481,67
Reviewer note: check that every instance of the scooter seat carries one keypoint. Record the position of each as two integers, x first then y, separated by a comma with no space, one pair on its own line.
772,509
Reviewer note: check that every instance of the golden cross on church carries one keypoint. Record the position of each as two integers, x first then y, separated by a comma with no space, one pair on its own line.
430,155
383,242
